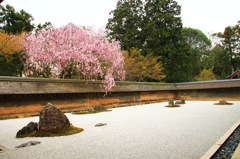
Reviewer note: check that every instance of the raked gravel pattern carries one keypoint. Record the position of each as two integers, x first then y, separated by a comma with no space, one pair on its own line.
138,132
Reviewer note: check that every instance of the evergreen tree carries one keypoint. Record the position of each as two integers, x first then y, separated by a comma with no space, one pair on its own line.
15,22
221,63
153,26
126,24
199,45
230,41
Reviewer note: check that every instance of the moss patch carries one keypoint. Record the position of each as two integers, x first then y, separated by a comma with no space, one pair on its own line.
223,104
174,106
63,132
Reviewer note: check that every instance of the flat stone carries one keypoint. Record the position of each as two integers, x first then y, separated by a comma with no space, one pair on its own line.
30,143
100,124
223,102
180,102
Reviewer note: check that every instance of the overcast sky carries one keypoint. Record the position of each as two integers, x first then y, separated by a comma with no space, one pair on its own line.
208,16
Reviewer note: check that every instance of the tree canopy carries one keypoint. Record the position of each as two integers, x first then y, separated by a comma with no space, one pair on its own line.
61,51
126,24
199,45
153,26
142,68
10,43
196,39
206,75
221,63
230,41
15,22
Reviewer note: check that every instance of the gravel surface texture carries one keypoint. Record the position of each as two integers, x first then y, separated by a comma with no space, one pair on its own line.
137,132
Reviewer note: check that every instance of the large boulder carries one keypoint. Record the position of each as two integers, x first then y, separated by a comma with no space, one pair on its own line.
52,119
52,123
171,103
28,130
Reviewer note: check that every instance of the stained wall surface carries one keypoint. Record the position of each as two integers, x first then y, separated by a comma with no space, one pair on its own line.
27,96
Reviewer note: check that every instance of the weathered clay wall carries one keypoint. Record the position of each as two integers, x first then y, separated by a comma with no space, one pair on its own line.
12,106
26,96
232,94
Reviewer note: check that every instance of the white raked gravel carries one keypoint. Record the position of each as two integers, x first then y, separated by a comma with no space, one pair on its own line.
136,132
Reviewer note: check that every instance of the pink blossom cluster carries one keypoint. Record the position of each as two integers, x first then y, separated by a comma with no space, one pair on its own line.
91,53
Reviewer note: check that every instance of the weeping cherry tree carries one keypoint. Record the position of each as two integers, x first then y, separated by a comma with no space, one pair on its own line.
60,51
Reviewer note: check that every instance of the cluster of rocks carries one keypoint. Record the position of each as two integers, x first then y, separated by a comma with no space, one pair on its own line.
51,120
223,102
173,103
95,109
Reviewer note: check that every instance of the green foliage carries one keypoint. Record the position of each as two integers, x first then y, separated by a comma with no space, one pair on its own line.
44,71
178,67
162,27
12,65
220,62
199,45
142,68
15,22
11,57
70,71
126,24
45,26
205,75
196,39
153,27
230,41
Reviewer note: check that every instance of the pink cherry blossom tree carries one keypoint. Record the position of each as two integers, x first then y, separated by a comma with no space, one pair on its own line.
68,49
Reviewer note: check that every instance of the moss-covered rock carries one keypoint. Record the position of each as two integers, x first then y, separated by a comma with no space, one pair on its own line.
52,123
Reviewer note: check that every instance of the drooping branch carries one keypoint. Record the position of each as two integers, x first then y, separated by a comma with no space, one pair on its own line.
74,49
